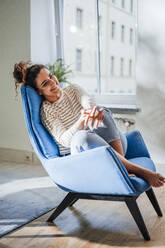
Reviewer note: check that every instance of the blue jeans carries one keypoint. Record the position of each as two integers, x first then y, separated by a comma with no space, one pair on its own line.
89,139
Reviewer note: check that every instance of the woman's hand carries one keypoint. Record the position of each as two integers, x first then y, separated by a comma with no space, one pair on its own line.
94,115
81,120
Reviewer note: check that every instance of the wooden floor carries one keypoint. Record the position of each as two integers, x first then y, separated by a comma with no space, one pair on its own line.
93,224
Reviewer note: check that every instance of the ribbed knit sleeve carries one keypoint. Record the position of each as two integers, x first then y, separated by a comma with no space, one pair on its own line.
58,130
86,101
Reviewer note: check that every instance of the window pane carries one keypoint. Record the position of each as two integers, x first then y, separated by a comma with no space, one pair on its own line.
122,33
121,67
79,18
112,65
78,59
117,72
130,68
113,30
123,3
80,42
131,36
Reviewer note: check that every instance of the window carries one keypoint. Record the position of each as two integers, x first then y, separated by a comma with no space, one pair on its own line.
121,67
122,33
123,4
100,60
112,64
79,45
78,59
113,30
131,36
79,18
131,6
130,68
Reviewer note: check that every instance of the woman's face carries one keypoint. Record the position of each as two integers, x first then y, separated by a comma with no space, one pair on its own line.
47,84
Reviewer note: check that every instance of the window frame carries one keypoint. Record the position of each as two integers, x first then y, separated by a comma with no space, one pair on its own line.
110,99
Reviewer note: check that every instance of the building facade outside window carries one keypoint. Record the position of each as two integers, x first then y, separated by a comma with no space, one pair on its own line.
81,50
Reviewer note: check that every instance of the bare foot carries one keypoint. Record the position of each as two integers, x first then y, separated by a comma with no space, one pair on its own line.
154,179
132,175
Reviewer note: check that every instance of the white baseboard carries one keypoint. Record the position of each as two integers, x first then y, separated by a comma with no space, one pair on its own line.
18,156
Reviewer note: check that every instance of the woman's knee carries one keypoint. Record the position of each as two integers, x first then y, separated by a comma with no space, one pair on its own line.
78,140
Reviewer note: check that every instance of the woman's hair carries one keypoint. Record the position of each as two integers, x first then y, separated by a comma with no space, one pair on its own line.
25,73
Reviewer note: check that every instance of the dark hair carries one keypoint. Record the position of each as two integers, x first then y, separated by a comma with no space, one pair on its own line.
25,73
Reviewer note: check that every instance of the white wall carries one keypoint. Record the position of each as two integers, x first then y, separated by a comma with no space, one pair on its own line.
14,46
24,31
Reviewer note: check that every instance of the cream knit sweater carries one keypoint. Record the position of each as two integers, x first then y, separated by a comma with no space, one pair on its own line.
60,117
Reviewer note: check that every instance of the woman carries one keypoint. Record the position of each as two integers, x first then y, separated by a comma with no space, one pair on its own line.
66,114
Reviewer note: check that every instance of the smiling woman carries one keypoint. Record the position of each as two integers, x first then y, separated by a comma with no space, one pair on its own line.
65,113
38,77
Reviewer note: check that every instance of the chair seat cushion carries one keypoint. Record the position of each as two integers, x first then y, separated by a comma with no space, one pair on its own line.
140,184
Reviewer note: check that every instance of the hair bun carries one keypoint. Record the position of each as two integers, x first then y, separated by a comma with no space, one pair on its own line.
19,73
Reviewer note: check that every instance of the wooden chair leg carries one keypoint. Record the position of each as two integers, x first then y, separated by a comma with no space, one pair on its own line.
134,210
70,197
151,195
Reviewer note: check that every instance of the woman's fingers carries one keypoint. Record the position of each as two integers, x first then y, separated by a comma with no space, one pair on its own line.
97,123
101,110
95,116
86,119
102,123
92,115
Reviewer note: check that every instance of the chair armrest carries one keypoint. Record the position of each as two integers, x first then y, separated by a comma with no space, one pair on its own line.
91,171
136,145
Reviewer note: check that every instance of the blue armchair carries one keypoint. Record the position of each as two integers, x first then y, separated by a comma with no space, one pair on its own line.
95,174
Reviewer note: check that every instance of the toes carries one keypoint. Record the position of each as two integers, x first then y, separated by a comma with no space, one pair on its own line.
132,175
161,178
159,184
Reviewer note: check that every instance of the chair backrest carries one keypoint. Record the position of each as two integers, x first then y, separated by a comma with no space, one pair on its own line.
42,142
